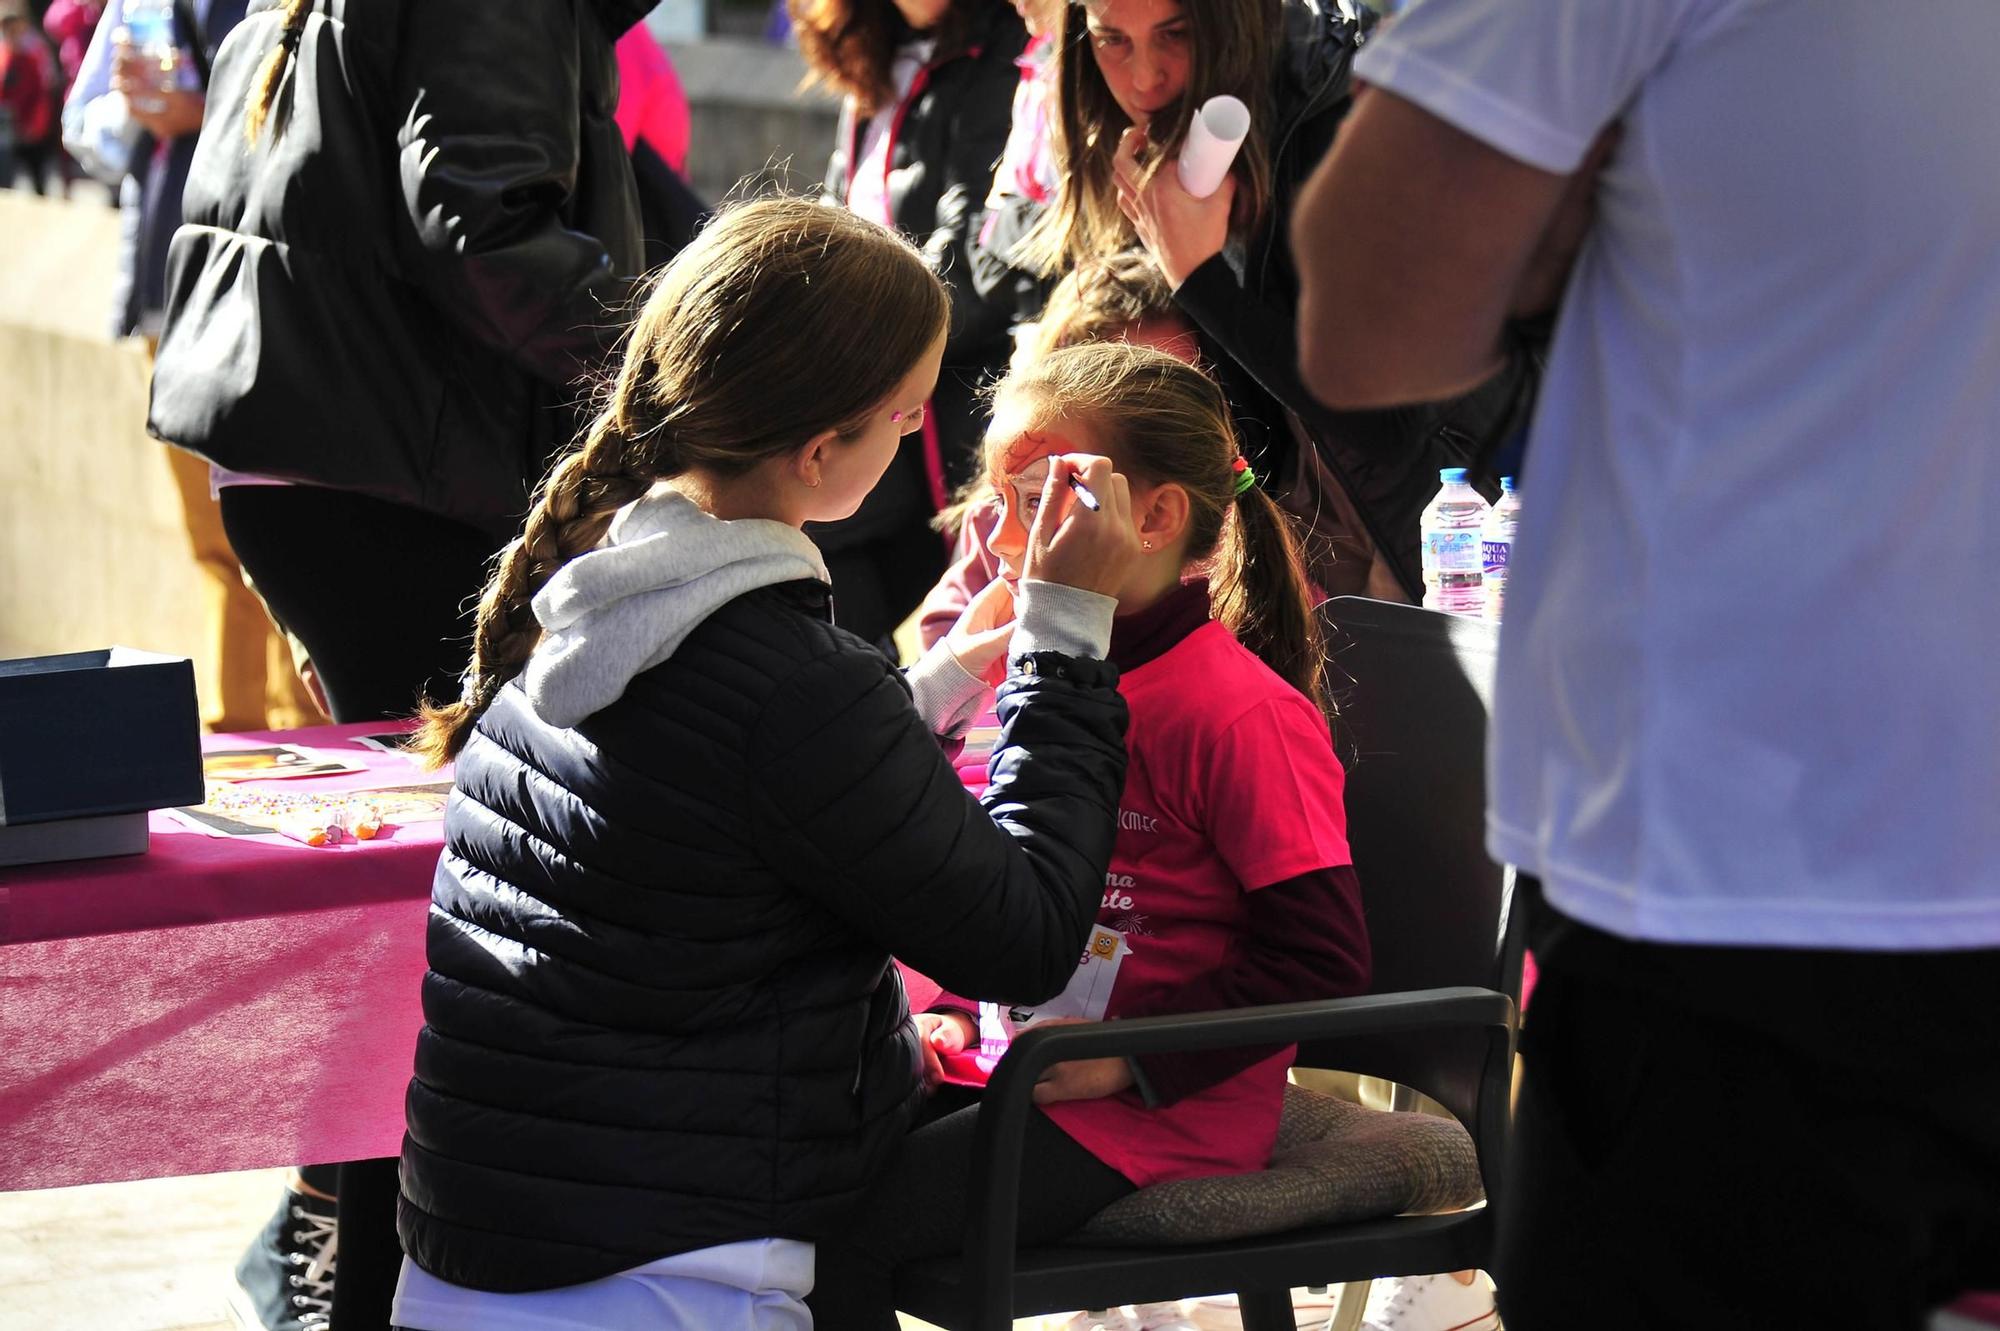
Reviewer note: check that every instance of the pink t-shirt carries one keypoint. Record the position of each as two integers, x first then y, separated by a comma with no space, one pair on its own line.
1232,785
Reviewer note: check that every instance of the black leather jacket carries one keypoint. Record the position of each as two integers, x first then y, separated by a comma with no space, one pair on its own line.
1387,461
395,289
660,1013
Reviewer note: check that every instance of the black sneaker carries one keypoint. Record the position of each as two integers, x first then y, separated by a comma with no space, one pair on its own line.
284,1281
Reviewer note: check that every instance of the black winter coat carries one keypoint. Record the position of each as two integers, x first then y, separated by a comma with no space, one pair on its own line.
660,1013
395,289
950,132
1386,461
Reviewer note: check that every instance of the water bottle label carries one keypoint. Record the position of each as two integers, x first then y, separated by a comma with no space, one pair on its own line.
1453,551
1496,554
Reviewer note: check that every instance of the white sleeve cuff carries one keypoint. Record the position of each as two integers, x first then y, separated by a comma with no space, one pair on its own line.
1053,617
947,695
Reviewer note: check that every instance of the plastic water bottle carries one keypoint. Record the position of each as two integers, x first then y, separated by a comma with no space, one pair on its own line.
1454,573
1496,542
149,30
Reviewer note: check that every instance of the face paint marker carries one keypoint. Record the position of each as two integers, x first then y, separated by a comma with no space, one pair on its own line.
1083,494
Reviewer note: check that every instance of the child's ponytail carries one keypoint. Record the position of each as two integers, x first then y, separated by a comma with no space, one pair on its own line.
1259,590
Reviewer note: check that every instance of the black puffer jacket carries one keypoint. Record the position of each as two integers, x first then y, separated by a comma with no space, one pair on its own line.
949,133
661,1013
1386,461
394,289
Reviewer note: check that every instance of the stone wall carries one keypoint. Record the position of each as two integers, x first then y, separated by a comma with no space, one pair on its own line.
750,118
92,552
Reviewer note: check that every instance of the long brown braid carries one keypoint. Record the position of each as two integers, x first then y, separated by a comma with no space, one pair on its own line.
783,319
264,88
1161,420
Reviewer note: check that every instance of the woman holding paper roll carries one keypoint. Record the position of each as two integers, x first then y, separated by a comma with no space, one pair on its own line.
1132,77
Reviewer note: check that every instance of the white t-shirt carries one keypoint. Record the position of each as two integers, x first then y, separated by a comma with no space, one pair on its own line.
757,1285
1746,692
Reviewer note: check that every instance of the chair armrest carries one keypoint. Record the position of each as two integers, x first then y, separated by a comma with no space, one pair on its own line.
1485,1016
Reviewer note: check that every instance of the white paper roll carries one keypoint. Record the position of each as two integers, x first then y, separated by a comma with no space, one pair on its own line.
1217,131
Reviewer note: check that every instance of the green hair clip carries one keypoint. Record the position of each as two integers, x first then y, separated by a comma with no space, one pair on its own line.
1245,478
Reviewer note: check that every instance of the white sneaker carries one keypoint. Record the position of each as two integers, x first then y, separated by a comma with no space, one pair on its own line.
1430,1303
1311,1311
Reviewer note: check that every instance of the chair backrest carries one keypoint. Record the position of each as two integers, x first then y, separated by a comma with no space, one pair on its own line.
1412,687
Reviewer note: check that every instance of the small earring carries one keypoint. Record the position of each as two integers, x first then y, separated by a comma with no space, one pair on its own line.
814,482
1145,545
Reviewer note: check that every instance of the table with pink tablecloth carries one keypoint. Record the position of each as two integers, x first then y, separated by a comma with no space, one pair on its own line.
214,1004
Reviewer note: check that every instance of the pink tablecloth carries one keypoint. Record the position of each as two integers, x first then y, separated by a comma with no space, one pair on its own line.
213,1004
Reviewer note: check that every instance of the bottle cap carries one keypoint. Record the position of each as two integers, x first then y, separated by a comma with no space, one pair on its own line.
1452,475
1507,484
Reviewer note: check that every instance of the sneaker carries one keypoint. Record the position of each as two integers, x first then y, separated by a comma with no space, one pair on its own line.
1312,1309
284,1281
1430,1303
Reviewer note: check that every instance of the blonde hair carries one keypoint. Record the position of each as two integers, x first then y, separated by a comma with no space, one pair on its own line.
1104,299
1162,421
749,344
264,88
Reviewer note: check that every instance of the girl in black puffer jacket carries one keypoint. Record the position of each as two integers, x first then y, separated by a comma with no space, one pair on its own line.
693,819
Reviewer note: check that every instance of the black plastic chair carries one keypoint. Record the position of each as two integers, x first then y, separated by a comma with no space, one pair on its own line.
1412,686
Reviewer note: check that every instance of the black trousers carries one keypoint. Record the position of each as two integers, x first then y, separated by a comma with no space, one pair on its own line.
1754,1138
918,1209
382,597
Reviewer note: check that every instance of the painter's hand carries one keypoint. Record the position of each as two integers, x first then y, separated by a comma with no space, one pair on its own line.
1093,551
1180,231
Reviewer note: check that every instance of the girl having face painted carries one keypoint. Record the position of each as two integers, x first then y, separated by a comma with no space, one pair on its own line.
1230,882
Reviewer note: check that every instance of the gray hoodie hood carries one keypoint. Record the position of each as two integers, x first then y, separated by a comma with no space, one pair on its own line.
623,608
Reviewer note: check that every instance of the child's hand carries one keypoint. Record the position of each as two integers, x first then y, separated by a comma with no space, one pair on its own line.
1082,1078
1090,549
941,1033
980,637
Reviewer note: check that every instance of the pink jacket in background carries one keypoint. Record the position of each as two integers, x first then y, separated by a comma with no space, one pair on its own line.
651,104
69,24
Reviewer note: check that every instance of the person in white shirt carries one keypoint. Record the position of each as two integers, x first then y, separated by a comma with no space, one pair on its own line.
1744,730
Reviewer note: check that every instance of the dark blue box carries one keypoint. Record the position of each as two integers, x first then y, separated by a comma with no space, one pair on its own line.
87,735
